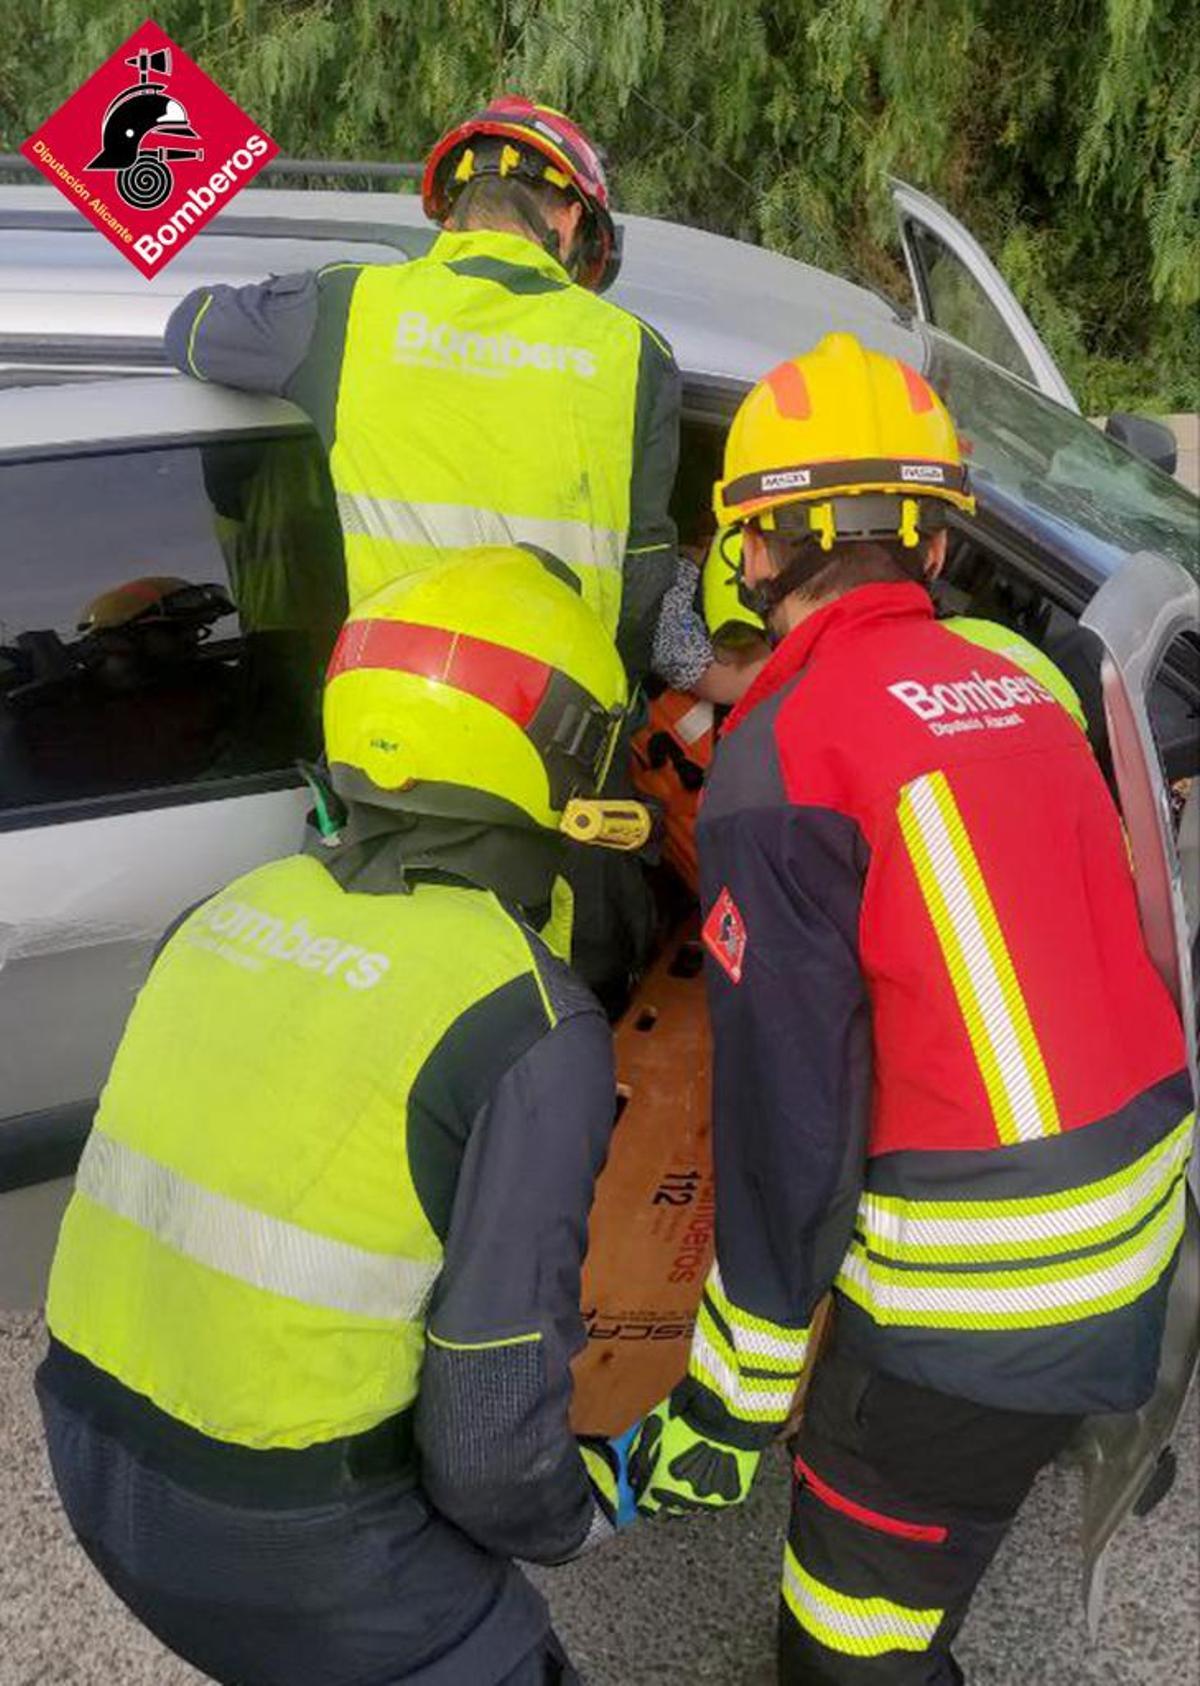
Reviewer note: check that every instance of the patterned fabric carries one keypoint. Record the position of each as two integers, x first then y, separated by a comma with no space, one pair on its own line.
682,647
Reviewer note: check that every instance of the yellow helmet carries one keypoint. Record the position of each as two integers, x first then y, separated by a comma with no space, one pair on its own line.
858,441
483,687
730,621
142,598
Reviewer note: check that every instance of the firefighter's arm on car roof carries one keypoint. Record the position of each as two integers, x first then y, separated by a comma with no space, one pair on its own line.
497,1454
253,337
781,889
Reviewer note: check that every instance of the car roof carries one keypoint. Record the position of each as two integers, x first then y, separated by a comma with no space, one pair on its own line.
40,418
729,309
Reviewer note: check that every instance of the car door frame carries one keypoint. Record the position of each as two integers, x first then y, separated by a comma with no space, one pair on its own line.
1137,616
913,206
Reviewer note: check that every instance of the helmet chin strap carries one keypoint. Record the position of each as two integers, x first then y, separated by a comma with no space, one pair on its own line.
763,599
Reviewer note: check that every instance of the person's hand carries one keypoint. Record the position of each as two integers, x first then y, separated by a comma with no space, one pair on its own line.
674,1467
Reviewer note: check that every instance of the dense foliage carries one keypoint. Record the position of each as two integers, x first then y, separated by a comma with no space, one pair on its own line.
1064,133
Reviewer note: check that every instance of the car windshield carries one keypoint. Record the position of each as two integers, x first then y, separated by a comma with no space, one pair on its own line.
1055,476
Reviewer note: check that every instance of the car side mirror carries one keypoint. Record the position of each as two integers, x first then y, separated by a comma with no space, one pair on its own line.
1151,440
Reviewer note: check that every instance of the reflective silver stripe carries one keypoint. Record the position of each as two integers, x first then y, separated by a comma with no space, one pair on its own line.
906,1226
761,1398
693,725
988,992
266,1252
753,1336
858,1627
453,526
1048,1289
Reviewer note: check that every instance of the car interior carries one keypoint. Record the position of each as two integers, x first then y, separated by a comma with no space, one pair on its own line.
179,640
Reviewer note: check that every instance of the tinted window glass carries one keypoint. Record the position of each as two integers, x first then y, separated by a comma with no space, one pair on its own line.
1057,478
959,306
165,616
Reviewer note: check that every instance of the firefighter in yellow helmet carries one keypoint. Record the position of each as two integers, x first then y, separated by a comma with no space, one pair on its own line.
673,750
317,1290
949,1083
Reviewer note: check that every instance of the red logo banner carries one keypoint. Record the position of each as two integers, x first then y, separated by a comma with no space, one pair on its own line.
149,149
724,934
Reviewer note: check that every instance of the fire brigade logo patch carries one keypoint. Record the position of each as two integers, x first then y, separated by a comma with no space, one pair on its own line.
149,149
724,936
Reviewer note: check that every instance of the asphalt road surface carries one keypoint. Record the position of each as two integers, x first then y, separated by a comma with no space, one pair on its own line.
673,1603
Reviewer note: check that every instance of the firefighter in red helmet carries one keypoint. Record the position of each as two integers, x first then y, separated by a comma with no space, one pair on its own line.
487,394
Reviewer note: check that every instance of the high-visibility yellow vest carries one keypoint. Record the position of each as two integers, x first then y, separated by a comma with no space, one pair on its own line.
485,399
245,1245
991,635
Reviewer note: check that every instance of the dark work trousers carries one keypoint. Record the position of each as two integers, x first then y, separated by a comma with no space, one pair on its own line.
900,1499
373,1589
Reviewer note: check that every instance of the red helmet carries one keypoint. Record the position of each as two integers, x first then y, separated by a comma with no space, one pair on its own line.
550,148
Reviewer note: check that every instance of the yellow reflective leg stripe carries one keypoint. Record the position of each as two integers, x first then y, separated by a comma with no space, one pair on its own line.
262,1251
858,1627
973,946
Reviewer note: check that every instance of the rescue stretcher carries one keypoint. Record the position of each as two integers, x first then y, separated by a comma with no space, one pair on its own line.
651,1230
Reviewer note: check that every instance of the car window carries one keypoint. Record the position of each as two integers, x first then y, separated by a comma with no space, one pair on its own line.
1058,477
960,306
165,617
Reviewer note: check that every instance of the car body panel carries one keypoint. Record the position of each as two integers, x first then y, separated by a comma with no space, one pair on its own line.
82,905
1137,616
727,308
142,410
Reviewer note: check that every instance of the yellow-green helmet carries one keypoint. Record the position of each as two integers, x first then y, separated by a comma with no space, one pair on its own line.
483,687
728,619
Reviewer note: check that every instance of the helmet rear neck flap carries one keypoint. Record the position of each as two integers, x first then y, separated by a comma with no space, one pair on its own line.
375,850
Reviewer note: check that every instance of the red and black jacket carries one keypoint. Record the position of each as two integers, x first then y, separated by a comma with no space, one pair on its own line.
948,1079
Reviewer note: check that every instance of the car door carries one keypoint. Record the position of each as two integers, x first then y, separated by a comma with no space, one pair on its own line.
1138,616
166,607
958,289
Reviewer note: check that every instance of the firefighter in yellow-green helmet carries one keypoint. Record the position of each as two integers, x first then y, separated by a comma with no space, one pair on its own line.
317,1291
